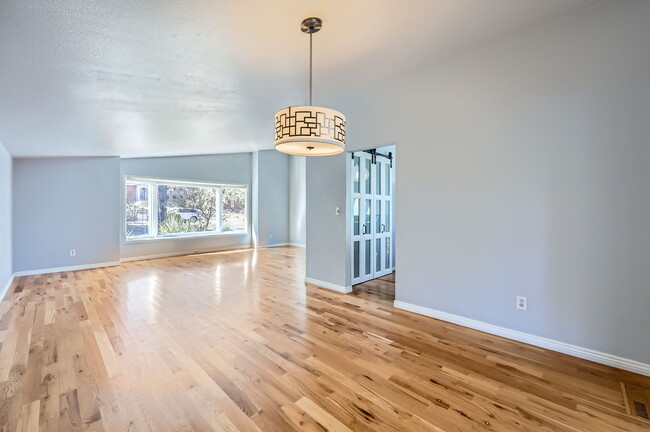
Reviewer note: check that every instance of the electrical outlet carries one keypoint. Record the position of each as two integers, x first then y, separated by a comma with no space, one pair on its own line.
522,302
73,252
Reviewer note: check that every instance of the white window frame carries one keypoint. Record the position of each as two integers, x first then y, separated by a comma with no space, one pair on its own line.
152,201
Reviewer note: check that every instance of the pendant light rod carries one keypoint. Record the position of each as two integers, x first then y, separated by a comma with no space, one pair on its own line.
310,66
310,26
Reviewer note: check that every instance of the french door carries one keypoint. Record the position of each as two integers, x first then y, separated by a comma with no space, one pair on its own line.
371,216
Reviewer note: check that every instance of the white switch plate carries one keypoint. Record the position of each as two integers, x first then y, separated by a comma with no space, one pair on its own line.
73,252
338,211
522,302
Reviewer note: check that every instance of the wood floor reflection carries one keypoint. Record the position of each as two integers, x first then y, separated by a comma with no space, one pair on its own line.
236,342
382,288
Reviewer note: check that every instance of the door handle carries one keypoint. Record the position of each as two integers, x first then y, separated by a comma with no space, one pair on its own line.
364,229
383,228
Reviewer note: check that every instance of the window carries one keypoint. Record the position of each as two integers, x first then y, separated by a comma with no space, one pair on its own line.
156,208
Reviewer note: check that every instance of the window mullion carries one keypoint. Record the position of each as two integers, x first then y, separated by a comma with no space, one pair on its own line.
218,193
153,209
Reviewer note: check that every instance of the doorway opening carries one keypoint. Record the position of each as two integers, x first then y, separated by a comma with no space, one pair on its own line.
382,288
372,234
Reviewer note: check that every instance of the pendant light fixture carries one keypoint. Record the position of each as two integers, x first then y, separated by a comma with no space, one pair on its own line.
310,130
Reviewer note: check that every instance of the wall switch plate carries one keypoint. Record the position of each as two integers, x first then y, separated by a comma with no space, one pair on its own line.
522,302
73,252
337,211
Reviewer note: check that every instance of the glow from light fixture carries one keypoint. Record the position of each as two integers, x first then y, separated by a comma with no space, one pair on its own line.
310,130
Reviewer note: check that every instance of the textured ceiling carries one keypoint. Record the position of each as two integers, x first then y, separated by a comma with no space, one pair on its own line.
170,77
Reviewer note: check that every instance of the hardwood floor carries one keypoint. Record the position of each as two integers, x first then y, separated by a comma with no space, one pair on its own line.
382,288
234,341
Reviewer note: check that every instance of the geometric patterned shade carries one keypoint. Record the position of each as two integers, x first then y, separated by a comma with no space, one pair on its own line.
309,131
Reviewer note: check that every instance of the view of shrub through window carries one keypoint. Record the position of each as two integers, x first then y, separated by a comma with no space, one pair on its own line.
233,209
162,209
184,209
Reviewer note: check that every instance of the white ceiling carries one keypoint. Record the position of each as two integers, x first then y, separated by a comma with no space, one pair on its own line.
172,77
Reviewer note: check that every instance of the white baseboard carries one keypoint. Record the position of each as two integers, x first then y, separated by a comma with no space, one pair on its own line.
282,244
185,253
574,350
147,257
65,269
6,287
274,245
331,286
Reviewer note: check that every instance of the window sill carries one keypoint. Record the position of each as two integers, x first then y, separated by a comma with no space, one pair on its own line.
185,237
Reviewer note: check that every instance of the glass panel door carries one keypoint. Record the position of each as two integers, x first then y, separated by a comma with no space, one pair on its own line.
364,220
367,176
371,204
356,259
378,254
389,263
368,255
355,217
356,175
378,216
378,176
388,169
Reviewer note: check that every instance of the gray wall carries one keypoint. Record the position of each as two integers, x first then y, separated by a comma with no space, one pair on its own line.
326,232
61,204
231,168
272,198
6,269
297,200
76,203
523,171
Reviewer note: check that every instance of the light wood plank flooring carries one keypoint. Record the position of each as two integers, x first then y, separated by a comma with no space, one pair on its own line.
235,342
382,288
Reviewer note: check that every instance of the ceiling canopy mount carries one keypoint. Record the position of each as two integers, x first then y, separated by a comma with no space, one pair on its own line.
311,25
